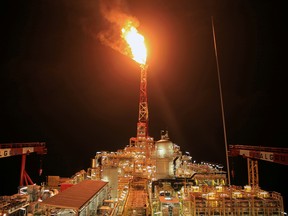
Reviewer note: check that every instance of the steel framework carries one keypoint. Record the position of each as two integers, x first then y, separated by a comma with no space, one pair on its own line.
142,125
13,149
255,153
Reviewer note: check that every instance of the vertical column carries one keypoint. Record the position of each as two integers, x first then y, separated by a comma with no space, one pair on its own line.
253,177
23,163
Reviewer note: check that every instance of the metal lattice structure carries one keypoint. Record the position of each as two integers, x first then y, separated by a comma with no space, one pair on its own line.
253,176
143,141
255,153
13,149
142,125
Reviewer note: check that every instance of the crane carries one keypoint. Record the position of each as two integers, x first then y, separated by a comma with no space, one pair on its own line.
13,149
255,153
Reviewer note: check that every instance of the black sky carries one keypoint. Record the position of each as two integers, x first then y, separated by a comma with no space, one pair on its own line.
60,85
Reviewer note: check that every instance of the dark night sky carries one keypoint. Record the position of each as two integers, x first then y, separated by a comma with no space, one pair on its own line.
60,85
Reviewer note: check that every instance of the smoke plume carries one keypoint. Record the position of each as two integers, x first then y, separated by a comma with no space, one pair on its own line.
116,14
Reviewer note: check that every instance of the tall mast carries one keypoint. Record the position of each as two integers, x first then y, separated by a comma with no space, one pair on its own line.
221,100
142,125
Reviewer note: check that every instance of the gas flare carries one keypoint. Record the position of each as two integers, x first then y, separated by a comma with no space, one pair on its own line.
136,42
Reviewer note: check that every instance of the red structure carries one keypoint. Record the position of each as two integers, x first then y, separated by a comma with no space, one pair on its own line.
275,155
255,153
142,125
13,149
143,142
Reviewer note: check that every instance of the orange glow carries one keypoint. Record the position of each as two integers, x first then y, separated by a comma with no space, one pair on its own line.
136,42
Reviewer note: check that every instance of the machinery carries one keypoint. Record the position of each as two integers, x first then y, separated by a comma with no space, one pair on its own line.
151,178
155,178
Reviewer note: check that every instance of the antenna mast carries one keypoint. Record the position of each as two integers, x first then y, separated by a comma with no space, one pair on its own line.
221,99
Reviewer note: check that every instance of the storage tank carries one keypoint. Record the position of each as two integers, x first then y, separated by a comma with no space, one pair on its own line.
110,174
164,157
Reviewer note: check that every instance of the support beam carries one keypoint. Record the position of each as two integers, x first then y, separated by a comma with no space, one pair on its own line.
24,177
253,177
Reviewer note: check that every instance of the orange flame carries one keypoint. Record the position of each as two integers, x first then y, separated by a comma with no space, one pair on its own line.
136,42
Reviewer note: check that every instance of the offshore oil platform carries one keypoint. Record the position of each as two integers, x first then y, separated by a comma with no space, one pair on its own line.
146,177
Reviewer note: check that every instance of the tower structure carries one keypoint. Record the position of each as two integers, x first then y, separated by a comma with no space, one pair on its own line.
141,145
143,140
142,125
